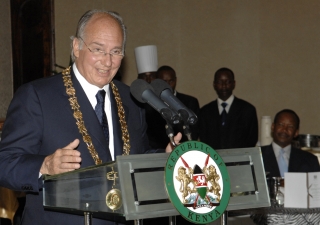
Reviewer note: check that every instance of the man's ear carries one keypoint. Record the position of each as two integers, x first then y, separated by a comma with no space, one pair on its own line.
272,130
296,133
233,85
272,127
76,47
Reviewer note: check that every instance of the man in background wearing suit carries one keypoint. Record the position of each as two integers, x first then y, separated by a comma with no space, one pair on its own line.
156,124
168,74
280,156
228,122
72,120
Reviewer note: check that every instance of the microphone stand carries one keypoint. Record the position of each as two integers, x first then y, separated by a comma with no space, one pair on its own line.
187,131
186,128
185,118
170,119
170,133
184,115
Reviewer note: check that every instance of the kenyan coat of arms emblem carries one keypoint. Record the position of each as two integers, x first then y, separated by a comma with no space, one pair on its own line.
197,182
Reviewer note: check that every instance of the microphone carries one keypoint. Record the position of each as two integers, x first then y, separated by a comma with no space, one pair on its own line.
143,92
164,91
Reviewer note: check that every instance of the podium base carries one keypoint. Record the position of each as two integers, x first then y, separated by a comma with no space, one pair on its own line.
87,218
138,222
224,218
172,220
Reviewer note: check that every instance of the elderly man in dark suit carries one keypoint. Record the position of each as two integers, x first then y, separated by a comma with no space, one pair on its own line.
156,124
72,120
228,122
280,156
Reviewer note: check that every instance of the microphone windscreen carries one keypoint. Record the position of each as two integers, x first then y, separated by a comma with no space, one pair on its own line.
159,85
137,87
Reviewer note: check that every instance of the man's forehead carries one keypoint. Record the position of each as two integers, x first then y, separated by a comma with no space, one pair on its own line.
102,20
224,75
102,16
285,116
102,28
169,73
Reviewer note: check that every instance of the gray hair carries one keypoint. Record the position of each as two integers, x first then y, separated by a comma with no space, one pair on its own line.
84,21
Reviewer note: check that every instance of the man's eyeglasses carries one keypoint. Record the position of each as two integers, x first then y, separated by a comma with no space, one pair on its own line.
115,53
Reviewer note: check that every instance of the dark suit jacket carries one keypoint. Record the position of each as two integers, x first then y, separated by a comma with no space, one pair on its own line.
299,161
39,121
240,130
156,124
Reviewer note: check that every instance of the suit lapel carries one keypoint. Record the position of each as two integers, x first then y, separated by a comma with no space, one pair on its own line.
216,115
215,125
270,162
294,161
181,98
233,113
231,122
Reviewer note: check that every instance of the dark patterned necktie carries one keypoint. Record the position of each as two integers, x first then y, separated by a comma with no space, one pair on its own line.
101,114
224,113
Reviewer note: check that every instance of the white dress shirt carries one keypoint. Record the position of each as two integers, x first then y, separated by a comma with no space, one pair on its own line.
287,151
229,102
91,91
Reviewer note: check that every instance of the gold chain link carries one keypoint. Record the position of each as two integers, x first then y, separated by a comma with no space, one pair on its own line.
77,114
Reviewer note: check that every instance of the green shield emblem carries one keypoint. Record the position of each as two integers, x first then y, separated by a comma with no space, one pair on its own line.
197,182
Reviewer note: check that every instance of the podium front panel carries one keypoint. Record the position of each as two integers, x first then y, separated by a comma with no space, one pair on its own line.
248,186
143,187
139,180
83,190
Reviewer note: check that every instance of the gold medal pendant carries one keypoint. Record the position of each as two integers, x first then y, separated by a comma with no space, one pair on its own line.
113,199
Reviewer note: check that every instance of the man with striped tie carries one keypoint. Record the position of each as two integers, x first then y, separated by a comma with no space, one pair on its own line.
280,156
228,121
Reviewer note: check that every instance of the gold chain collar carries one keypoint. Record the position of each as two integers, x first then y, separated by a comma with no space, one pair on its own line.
77,114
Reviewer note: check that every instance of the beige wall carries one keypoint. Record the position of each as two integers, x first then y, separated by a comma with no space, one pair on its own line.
6,85
272,46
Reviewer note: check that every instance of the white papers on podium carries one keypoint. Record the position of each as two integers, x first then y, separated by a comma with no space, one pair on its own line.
302,190
296,191
314,189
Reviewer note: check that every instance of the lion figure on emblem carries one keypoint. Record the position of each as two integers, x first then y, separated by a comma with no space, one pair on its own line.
213,178
185,179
